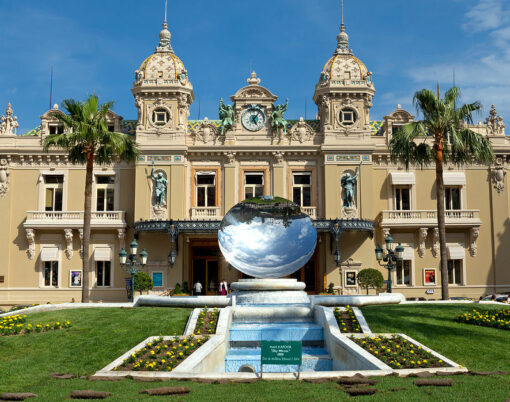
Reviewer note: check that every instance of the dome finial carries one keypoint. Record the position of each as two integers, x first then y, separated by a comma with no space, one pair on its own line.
164,36
342,38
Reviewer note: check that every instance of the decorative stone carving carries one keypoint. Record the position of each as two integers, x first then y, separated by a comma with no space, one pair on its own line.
473,249
494,123
80,235
159,105
278,156
183,103
4,177
323,106
231,157
301,131
386,232
9,122
122,237
422,236
207,133
349,213
69,239
31,243
435,242
498,175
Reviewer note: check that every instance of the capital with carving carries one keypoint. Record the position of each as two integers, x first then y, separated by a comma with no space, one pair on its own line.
422,236
498,174
435,242
474,232
69,240
4,177
278,157
230,157
31,243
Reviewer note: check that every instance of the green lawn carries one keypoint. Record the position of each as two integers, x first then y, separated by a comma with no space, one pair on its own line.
98,336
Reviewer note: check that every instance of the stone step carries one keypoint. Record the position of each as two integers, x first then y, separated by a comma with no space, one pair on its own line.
282,331
292,313
314,359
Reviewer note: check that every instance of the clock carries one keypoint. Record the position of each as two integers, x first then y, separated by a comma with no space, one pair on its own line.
253,118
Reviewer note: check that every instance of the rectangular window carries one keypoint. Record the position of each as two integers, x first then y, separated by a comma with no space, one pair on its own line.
157,279
302,189
206,189
454,275
253,184
105,193
452,198
111,128
404,272
103,273
402,198
51,273
56,128
53,188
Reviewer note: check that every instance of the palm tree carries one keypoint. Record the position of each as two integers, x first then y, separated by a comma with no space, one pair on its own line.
443,136
88,141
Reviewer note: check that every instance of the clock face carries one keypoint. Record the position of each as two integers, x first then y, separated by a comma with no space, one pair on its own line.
253,119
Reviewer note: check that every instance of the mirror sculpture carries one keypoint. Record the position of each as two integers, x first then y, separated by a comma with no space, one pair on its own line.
267,237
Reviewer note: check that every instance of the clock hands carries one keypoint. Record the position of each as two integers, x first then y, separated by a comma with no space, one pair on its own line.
254,119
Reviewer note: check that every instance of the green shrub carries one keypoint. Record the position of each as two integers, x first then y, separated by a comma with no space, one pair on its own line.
331,288
370,278
177,290
185,288
143,282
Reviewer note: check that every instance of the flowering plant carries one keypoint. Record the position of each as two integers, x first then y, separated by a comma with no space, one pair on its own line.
207,321
347,321
495,319
17,325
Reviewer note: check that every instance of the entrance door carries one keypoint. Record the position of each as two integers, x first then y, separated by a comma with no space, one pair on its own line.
307,274
206,270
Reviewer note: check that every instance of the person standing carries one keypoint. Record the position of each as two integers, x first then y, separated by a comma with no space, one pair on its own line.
223,287
197,288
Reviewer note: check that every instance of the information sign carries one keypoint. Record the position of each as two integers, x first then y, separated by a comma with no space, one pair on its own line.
276,352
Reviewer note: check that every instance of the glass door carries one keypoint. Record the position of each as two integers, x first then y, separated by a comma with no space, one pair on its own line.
206,271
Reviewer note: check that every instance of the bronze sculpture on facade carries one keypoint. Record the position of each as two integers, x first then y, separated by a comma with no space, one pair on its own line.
278,121
227,117
349,184
161,185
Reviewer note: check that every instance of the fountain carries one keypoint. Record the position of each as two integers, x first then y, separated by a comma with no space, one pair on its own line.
269,238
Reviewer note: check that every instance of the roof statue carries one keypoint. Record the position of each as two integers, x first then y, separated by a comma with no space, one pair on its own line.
227,116
495,125
278,121
9,122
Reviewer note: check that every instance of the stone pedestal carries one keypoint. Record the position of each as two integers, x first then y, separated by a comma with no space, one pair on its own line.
269,291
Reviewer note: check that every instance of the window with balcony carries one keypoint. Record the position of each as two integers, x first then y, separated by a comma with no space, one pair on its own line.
103,274
51,273
302,188
253,184
53,189
206,189
105,193
404,272
403,198
454,272
452,198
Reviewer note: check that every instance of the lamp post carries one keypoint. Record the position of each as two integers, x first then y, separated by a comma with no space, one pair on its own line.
130,263
391,258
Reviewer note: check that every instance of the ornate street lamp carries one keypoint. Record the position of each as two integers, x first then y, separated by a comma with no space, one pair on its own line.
172,257
391,258
338,257
130,263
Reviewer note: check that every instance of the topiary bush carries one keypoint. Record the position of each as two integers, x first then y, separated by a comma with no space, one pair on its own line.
331,288
370,278
185,287
143,282
177,290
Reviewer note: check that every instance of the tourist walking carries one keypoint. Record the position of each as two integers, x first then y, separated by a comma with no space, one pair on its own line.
197,288
223,287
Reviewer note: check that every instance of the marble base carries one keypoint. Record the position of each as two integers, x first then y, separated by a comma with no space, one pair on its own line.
269,291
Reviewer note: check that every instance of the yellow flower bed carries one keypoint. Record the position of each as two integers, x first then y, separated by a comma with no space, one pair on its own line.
495,319
161,355
17,325
207,321
347,324
398,353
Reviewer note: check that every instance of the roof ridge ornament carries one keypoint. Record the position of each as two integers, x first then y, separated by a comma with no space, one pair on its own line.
253,80
342,38
164,37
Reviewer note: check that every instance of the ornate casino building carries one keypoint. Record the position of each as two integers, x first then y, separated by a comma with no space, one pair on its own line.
191,172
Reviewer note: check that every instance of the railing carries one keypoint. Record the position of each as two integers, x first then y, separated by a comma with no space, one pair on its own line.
430,216
310,211
57,216
205,213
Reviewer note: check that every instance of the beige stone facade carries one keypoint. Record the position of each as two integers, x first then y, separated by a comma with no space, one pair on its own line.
208,171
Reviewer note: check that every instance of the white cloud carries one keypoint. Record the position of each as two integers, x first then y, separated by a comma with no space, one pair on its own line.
483,75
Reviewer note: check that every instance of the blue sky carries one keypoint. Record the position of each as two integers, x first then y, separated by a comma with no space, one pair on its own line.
95,46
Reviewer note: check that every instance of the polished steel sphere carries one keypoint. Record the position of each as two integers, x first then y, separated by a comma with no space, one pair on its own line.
267,237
